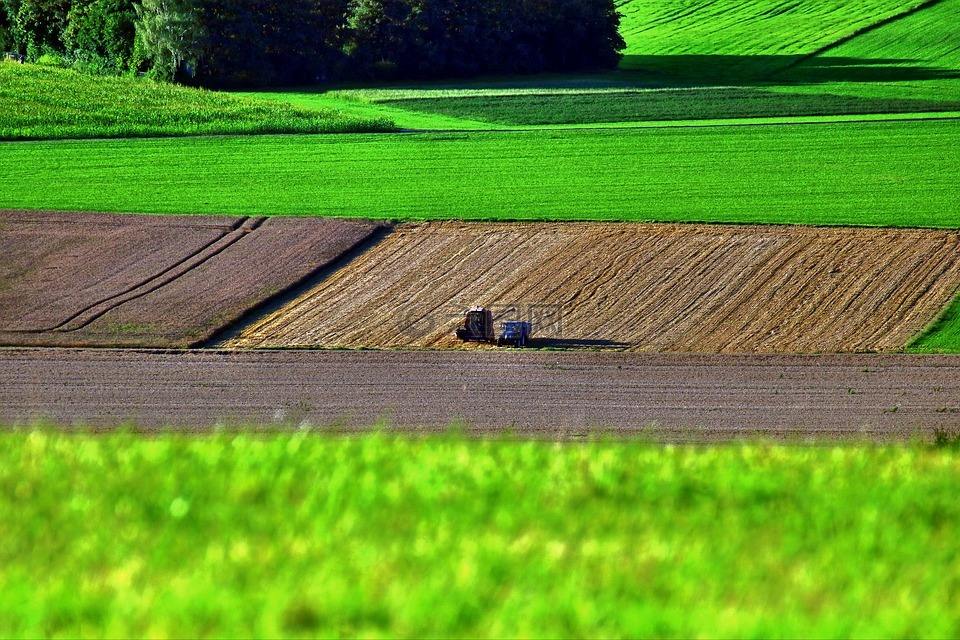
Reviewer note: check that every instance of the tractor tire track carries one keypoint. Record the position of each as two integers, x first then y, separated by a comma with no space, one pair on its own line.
98,309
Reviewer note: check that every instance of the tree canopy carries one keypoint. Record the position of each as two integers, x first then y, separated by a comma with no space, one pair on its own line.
283,42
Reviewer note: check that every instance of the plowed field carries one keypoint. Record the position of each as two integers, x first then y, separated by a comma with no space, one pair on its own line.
72,279
641,287
676,397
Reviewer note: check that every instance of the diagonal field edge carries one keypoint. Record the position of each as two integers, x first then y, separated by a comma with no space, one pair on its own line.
277,301
854,35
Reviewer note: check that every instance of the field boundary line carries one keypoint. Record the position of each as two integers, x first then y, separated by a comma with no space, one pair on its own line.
856,34
760,121
264,308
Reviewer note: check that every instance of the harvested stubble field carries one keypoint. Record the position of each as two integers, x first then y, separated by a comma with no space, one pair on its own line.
642,287
97,280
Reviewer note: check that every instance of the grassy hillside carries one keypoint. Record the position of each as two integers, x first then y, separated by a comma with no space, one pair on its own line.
707,60
926,40
893,173
918,56
752,36
46,103
296,535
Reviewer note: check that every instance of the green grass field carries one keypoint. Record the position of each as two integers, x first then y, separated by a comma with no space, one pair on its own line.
918,57
375,536
885,173
767,34
660,104
49,103
925,41
944,335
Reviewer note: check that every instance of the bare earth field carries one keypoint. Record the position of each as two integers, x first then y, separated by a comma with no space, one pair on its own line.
124,280
668,397
639,287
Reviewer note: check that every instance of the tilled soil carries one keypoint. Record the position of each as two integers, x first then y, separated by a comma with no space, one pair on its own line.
119,280
639,287
531,394
53,265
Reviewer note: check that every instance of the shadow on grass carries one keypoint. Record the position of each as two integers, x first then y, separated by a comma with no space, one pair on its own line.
784,70
666,71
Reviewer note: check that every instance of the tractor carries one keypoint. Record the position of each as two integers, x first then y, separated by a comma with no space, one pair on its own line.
478,327
514,332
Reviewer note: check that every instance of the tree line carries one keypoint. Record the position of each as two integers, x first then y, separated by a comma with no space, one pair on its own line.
283,42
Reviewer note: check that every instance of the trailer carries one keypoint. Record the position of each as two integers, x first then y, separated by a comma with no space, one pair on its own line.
477,326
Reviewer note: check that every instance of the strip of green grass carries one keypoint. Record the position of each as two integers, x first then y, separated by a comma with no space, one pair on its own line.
678,104
354,105
884,173
49,103
394,104
943,336
298,535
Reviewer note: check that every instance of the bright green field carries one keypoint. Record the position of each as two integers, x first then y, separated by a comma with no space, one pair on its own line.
926,41
374,536
918,56
885,173
48,103
777,30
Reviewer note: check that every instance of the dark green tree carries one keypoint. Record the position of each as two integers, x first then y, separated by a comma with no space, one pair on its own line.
101,31
6,38
37,26
385,36
265,42
430,38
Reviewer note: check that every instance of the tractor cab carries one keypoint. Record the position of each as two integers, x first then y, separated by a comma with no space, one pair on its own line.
515,332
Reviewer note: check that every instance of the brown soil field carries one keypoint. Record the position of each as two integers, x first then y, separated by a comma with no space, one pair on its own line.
112,280
639,287
531,394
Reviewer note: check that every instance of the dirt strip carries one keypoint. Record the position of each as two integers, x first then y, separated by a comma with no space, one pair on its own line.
156,281
563,395
640,287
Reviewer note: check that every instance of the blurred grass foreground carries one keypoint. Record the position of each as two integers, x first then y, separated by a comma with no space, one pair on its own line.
311,535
